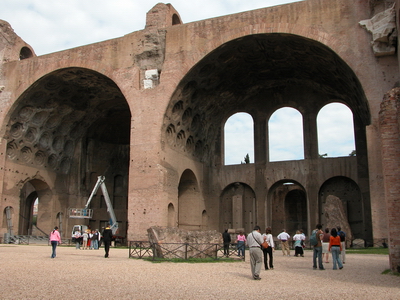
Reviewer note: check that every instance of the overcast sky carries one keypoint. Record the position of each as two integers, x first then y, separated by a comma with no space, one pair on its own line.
335,134
54,25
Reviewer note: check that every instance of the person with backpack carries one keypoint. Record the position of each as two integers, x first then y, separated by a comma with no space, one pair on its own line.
316,241
342,236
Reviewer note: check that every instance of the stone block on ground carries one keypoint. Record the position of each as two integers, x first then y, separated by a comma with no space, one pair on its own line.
170,242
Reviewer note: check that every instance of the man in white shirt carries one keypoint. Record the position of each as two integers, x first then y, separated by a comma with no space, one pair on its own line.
284,238
254,241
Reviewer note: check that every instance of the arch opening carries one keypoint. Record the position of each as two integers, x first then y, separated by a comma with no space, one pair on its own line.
239,139
335,131
67,124
285,135
190,202
238,207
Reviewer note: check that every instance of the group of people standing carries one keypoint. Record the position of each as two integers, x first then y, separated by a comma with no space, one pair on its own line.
89,239
93,239
333,242
298,239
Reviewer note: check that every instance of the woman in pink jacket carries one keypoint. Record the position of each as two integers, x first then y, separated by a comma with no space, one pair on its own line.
55,239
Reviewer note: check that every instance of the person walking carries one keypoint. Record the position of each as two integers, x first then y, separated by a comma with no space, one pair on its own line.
254,241
107,238
226,237
55,239
267,236
284,238
317,251
335,247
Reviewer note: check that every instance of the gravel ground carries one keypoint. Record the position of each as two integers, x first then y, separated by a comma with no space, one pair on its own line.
28,272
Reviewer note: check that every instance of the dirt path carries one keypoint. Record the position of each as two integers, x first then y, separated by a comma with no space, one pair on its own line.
28,272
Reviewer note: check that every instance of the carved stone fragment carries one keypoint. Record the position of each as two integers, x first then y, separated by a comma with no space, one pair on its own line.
384,32
336,216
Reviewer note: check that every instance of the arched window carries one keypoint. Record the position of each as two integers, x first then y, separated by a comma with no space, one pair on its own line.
285,131
239,139
335,131
25,53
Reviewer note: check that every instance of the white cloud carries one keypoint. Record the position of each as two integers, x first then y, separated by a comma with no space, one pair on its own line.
285,135
239,139
335,130
285,130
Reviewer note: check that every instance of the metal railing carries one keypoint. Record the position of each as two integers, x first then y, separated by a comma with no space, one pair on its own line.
184,251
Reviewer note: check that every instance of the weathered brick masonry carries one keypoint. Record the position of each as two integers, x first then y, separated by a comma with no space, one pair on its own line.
147,111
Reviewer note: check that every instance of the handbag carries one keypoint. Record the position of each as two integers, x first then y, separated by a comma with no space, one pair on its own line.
264,245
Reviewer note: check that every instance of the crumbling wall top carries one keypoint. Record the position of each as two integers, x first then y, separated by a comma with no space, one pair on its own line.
161,16
12,47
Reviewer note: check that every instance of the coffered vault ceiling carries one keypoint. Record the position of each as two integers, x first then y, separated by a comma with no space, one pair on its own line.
60,109
256,73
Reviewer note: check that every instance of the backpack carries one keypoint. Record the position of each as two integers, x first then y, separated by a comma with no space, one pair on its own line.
313,238
342,236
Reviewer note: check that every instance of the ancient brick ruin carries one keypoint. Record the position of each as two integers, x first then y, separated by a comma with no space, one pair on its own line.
147,111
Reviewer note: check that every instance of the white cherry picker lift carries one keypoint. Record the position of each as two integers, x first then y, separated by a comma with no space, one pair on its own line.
87,213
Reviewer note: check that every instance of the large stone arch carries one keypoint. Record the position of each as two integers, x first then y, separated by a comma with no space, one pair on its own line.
190,202
349,193
289,207
238,208
71,126
46,217
256,73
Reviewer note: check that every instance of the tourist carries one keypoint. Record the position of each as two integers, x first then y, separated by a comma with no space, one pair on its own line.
85,237
298,239
284,238
89,242
254,241
107,238
325,245
342,236
267,236
317,251
55,239
241,240
303,242
78,238
226,237
95,240
335,247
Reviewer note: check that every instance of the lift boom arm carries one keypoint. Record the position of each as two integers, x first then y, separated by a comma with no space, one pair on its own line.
110,209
